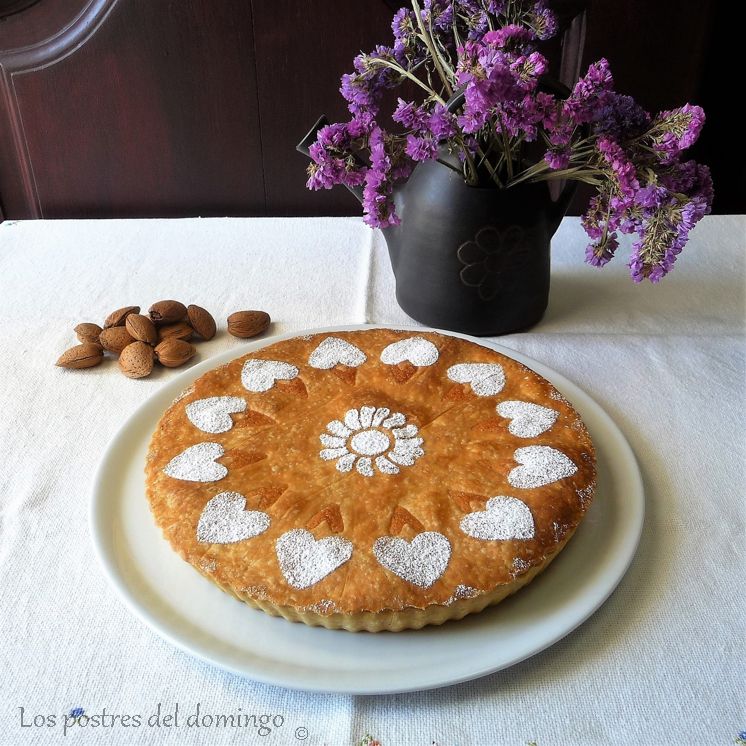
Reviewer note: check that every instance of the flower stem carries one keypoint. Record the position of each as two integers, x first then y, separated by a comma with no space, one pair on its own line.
427,39
408,74
448,165
470,169
541,172
508,153
490,169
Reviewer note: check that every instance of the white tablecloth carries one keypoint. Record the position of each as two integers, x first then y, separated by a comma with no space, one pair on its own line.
662,662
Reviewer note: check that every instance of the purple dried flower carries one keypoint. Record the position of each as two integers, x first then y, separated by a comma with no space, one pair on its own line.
403,24
477,20
442,123
527,70
521,118
410,115
439,13
333,160
496,7
589,94
354,176
491,84
468,66
471,120
651,198
402,168
620,116
377,202
543,22
379,158
325,170
599,253
407,46
679,176
643,185
621,166
665,232
549,106
318,178
334,136
328,169
558,158
593,220
512,34
359,93
421,148
674,131
561,132
360,125
703,189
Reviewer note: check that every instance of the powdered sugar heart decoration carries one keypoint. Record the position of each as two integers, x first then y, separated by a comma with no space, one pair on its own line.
527,420
505,518
416,350
540,465
335,351
197,464
486,379
224,520
213,415
261,375
420,561
304,560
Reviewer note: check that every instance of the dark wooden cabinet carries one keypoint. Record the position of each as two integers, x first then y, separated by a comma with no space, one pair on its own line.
193,107
140,107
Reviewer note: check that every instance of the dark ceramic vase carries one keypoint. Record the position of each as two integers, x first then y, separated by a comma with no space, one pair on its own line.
470,259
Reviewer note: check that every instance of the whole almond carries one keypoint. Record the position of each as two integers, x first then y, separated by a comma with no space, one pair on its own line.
174,352
84,355
247,324
179,330
87,332
141,328
167,312
202,321
115,339
118,317
136,360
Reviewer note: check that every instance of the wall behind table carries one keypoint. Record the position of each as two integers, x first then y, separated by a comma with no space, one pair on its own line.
119,108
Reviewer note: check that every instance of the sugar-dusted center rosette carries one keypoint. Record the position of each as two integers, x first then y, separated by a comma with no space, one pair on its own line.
371,479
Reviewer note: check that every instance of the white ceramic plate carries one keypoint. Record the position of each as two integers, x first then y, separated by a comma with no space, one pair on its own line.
189,611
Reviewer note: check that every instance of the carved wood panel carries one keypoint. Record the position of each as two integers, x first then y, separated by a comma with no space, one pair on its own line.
138,108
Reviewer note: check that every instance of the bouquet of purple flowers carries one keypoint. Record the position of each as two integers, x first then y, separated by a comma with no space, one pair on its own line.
485,101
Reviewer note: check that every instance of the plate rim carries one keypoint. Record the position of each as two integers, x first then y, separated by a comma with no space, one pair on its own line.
106,558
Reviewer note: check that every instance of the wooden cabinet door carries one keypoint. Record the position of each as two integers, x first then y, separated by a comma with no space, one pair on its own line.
118,108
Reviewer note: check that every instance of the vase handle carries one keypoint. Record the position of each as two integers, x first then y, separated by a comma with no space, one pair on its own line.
456,100
559,206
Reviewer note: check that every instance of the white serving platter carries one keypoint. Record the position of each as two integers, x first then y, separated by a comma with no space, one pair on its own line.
186,609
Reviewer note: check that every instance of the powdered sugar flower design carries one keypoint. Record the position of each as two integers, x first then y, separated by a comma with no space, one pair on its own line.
371,438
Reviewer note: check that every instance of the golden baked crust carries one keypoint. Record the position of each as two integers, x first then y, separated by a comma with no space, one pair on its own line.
366,548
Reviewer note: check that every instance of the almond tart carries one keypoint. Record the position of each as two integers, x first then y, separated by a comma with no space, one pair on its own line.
370,480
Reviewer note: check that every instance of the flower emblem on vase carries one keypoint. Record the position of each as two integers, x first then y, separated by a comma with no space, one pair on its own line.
491,257
370,439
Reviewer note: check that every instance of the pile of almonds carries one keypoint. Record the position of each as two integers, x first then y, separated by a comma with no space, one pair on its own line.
162,336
